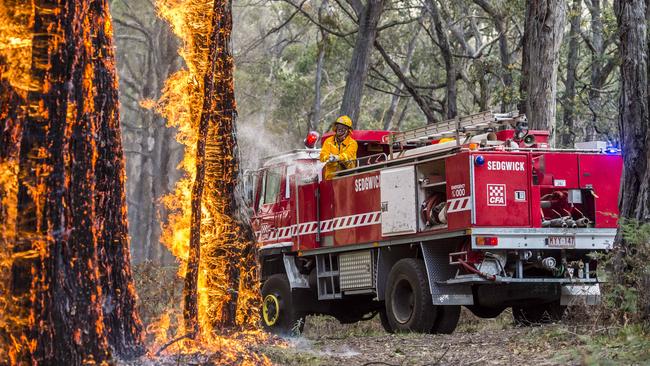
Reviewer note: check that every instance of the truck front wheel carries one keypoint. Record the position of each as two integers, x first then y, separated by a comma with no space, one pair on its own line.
279,315
408,299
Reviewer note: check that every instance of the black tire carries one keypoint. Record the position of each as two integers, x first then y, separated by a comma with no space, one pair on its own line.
447,317
384,321
485,312
278,313
533,315
408,298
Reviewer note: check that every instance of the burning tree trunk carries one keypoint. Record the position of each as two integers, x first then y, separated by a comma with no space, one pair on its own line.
225,241
11,121
71,244
120,318
219,293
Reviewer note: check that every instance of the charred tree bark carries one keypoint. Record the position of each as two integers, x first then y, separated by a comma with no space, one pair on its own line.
11,117
223,252
567,135
545,29
221,243
77,273
368,16
121,321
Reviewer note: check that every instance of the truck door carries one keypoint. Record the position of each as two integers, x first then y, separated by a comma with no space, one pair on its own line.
269,204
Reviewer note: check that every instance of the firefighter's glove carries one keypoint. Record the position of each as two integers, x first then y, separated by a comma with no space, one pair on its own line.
334,158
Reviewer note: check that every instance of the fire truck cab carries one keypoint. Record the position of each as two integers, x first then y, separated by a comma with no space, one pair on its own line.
493,219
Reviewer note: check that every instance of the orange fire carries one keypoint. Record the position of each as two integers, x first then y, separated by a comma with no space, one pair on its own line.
222,244
15,48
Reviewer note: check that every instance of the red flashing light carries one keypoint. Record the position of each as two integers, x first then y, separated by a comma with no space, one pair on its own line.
311,139
487,241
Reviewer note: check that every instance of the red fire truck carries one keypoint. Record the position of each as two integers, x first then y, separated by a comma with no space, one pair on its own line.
493,219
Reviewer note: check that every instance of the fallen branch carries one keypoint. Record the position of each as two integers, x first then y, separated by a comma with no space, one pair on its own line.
166,345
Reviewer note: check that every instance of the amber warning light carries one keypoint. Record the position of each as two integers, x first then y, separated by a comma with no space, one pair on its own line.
311,139
487,240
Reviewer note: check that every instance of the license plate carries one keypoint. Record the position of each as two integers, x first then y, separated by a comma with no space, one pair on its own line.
561,241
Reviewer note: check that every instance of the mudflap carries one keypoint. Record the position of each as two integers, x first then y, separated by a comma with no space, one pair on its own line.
575,294
436,260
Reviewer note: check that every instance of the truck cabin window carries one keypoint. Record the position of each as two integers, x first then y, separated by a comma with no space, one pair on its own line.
271,186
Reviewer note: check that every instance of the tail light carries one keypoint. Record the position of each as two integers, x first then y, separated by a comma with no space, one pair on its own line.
491,241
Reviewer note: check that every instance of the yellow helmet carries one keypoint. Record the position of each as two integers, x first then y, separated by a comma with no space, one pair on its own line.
344,120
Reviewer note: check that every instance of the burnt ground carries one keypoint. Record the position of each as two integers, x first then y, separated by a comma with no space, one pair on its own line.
475,342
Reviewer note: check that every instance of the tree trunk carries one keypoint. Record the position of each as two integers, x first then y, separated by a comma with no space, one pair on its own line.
522,106
72,225
230,239
450,68
597,55
410,87
634,115
545,28
567,134
221,277
121,322
12,119
369,16
394,102
314,121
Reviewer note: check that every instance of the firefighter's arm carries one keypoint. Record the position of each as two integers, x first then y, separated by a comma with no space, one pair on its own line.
325,151
350,153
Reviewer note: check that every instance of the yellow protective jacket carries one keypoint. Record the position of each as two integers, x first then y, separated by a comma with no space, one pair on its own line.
346,150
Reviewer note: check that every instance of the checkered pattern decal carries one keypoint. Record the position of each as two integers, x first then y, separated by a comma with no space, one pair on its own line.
306,228
496,194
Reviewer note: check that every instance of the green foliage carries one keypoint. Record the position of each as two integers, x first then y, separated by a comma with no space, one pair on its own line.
627,272
627,345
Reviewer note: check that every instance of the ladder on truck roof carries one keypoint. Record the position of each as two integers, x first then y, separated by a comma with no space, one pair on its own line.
458,127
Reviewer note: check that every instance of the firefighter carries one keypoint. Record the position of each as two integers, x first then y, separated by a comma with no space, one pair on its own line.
339,152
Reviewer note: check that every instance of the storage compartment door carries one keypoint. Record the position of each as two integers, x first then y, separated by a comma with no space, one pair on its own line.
398,201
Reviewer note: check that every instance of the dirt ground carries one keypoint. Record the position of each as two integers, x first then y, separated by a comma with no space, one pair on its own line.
475,342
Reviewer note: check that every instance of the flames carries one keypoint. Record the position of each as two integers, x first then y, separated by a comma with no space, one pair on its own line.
15,47
227,282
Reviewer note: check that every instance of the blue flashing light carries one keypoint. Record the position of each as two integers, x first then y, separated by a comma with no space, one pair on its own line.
480,160
612,150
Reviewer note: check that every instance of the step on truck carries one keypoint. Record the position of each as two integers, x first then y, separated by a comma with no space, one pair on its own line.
476,211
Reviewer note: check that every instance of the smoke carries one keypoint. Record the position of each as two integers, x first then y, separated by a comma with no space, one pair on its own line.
256,142
306,346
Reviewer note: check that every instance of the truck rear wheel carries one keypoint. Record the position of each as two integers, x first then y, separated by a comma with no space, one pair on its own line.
279,315
531,315
408,299
447,317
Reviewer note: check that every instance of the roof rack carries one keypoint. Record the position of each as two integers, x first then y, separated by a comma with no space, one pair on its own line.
466,126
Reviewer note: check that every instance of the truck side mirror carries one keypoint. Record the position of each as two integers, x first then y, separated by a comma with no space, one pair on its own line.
249,183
